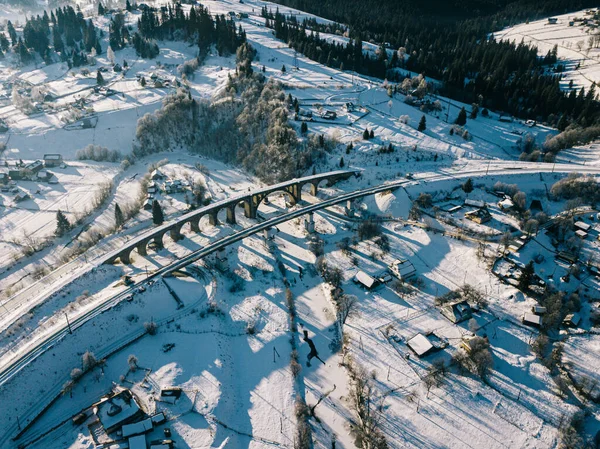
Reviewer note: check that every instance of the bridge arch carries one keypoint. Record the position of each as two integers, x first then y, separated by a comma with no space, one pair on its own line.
291,192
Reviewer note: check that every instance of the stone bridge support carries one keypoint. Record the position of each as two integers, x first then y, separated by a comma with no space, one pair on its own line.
175,232
231,214
142,248
213,219
125,256
158,240
195,224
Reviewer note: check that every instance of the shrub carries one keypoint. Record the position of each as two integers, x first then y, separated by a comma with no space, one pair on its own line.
151,327
98,154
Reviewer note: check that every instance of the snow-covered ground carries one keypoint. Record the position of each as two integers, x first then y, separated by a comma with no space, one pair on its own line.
231,336
572,38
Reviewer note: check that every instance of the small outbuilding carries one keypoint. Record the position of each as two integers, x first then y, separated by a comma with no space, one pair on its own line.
506,204
538,310
572,320
365,280
532,319
53,160
420,345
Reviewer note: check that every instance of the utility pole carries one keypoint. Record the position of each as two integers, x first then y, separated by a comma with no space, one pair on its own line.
146,268
488,167
68,324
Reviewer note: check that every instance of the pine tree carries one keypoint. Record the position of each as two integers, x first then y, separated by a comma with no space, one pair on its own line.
526,276
366,134
422,124
99,78
128,6
157,213
119,218
342,162
371,135
468,186
304,128
62,224
11,32
143,81
461,120
283,69
100,9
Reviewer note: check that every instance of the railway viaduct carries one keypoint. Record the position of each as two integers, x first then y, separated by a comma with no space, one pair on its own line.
250,202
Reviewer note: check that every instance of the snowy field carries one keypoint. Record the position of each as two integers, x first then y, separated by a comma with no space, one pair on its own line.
572,38
223,337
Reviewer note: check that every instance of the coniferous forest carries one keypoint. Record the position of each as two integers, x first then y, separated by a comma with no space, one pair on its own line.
449,41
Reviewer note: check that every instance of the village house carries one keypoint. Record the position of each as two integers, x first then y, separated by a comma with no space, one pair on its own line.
402,269
479,216
457,312
117,410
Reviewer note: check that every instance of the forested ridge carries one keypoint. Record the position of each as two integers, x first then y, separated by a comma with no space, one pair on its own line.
448,41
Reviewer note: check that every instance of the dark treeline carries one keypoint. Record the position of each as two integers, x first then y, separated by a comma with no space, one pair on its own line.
198,26
73,37
65,30
447,41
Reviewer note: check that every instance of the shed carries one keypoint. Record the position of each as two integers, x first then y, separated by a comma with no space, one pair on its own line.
532,319
147,204
420,345
581,234
457,312
138,442
582,226
572,320
538,310
506,204
552,20
53,159
365,280
474,203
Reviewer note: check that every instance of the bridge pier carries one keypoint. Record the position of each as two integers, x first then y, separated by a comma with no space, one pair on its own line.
314,188
349,209
213,219
125,257
158,240
231,215
309,224
249,208
142,248
175,233
195,224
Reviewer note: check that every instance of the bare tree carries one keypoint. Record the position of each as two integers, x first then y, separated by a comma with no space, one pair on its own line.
347,306
132,361
68,387
368,414
88,361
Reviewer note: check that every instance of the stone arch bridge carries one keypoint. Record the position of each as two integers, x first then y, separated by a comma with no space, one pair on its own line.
250,202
